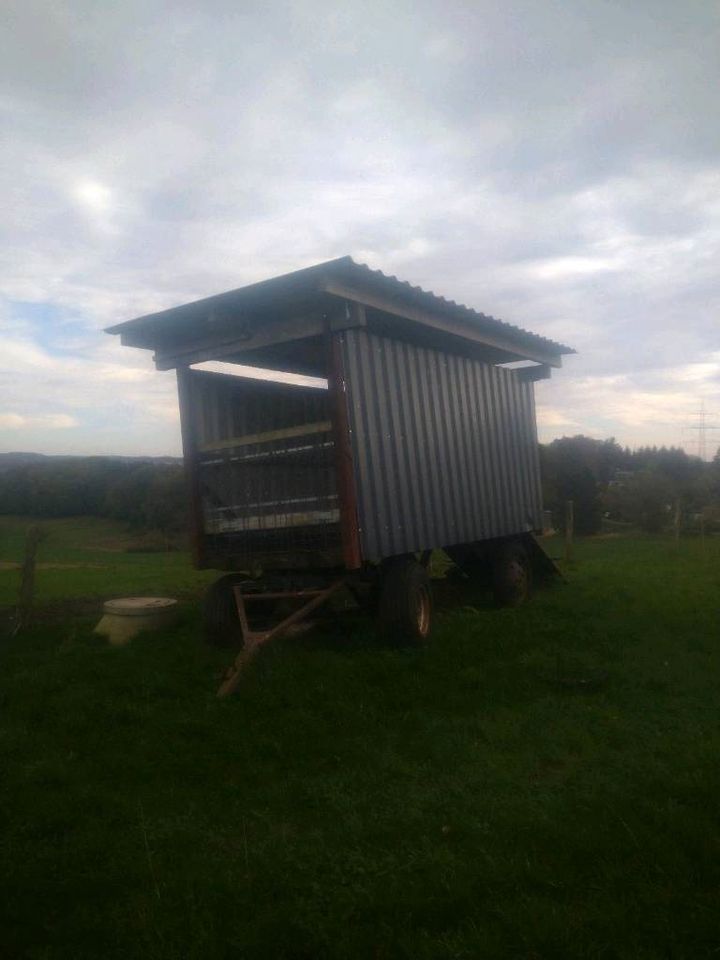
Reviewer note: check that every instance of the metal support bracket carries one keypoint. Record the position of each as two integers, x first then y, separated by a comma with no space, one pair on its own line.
254,639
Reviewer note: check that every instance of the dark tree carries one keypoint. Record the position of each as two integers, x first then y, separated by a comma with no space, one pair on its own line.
645,499
572,468
145,495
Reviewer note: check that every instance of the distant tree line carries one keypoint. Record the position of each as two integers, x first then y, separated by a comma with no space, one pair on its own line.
144,495
642,487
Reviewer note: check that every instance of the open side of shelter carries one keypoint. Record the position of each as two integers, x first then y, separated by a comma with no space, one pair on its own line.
417,433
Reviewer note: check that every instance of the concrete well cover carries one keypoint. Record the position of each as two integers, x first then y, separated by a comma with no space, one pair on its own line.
139,606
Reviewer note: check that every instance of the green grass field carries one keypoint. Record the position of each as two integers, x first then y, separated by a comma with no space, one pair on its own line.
351,801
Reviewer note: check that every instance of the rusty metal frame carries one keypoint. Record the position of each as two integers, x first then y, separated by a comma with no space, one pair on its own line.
254,639
190,458
344,470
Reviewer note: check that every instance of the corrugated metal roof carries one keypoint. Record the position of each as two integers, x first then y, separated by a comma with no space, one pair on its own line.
309,281
436,302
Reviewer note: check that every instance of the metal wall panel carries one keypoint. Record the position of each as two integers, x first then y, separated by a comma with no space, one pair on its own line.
444,447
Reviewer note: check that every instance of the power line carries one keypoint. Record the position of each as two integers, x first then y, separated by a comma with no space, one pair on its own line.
701,426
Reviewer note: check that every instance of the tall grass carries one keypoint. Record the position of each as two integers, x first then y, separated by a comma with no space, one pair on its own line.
358,802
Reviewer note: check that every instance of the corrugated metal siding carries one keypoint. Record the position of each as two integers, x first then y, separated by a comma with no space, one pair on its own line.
444,447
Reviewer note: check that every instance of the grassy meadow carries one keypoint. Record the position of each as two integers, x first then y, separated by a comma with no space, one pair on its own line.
473,799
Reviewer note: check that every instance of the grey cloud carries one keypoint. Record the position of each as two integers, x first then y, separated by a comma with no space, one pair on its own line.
552,163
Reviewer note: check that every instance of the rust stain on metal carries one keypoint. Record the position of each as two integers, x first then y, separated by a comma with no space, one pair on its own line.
254,639
347,494
190,458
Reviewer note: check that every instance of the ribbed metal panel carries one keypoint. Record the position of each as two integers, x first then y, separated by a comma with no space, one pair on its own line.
444,447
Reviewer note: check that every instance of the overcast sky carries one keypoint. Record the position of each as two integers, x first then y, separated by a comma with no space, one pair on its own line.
555,164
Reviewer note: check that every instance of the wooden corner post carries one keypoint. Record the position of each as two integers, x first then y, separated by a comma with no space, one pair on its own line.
347,494
569,528
190,458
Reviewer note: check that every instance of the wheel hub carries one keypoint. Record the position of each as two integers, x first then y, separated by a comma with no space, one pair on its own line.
423,613
517,579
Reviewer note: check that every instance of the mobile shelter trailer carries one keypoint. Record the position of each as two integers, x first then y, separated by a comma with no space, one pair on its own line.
419,434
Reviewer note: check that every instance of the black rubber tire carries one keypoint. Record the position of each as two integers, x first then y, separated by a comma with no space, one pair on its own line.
405,603
220,616
512,575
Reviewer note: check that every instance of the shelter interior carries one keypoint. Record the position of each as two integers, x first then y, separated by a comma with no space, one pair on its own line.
264,457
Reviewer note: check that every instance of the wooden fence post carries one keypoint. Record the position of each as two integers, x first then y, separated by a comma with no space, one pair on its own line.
569,528
676,523
35,536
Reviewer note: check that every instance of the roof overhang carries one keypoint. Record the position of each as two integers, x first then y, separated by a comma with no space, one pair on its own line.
268,322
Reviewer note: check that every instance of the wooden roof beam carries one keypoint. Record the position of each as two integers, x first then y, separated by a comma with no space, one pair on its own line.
467,331
256,334
540,371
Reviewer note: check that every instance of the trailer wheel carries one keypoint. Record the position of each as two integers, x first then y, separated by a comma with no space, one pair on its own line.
473,560
512,575
220,616
405,604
